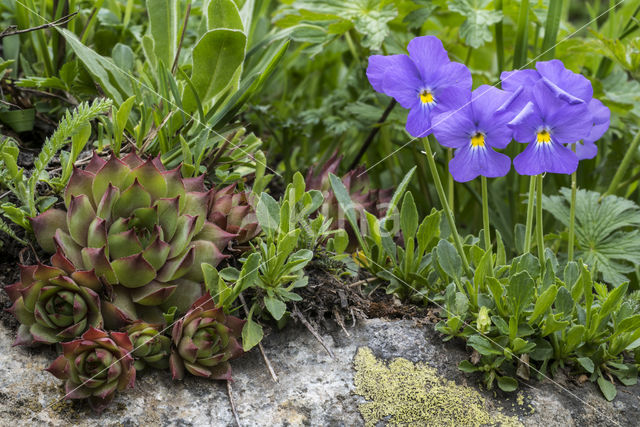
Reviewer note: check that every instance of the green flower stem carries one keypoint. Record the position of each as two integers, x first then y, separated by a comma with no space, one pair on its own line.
450,188
499,40
551,28
445,205
572,213
626,162
527,232
485,214
539,231
520,52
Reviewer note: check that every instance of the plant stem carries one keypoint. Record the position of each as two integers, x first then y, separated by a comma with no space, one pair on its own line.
184,30
499,40
551,29
522,32
626,162
485,214
372,134
450,187
539,231
527,232
445,205
572,213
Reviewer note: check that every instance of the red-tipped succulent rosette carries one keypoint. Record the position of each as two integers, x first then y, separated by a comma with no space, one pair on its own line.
95,367
142,228
204,341
234,212
54,303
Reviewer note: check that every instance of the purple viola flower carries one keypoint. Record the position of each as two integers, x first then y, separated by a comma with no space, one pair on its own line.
474,124
547,123
587,149
418,81
573,86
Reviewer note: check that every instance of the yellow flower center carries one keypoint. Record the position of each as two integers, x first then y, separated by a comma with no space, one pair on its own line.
477,140
544,137
426,97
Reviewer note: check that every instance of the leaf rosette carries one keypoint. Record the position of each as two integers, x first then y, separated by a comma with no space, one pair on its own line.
54,303
150,347
204,341
95,367
142,228
234,212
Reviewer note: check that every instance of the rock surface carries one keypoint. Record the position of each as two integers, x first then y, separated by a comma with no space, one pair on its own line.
313,388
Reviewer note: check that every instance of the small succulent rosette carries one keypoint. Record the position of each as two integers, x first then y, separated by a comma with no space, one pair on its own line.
204,341
142,228
234,212
95,367
150,347
54,303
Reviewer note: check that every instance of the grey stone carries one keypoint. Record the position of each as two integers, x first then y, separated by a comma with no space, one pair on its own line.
313,388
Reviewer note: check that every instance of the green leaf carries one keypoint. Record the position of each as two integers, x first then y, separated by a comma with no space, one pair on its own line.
449,260
476,29
607,235
545,300
122,116
369,18
163,27
223,14
123,57
113,81
483,346
520,291
408,217
507,384
612,301
268,213
468,367
483,269
573,338
216,56
608,389
275,307
587,364
252,334
429,231
344,200
397,195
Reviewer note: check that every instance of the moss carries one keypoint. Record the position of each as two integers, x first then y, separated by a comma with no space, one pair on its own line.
403,393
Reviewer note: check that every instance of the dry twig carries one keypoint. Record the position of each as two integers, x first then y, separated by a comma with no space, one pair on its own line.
12,30
233,405
264,356
296,313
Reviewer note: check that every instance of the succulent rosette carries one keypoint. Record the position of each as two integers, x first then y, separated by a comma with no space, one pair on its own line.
54,303
150,347
142,228
204,341
234,212
95,367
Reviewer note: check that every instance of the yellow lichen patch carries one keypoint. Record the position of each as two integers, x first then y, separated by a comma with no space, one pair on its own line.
403,393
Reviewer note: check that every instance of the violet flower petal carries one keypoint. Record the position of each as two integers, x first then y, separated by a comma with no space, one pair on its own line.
551,157
470,162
